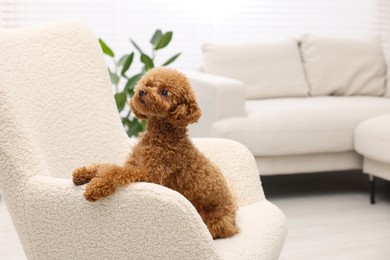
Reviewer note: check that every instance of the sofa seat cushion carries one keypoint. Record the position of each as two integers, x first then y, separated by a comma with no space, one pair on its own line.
292,126
372,138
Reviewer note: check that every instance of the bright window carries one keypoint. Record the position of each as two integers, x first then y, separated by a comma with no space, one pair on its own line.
198,21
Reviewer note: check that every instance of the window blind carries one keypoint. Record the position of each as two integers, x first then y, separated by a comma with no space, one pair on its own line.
195,22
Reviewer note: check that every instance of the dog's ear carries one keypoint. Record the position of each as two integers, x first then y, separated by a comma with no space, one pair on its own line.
135,111
185,114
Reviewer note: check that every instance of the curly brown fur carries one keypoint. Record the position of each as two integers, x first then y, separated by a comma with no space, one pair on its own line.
165,155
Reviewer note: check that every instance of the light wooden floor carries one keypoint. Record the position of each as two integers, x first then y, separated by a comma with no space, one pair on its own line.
329,217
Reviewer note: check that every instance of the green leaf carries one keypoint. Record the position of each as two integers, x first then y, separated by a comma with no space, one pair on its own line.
135,128
172,59
136,46
147,61
143,122
164,41
129,88
156,37
120,99
123,59
114,78
126,63
126,122
106,49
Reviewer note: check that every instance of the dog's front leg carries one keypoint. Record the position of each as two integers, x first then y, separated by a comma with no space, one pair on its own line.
84,174
108,178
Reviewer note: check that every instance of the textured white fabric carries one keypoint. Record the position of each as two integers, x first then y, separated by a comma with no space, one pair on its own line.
292,126
145,221
308,163
52,68
253,220
218,97
372,138
376,168
344,67
267,69
57,112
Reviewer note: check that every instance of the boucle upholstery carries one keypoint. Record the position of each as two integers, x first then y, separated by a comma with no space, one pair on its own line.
56,113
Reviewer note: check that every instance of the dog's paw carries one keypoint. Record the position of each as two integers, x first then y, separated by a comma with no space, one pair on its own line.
98,188
82,175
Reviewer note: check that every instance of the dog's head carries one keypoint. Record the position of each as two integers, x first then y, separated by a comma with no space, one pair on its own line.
165,93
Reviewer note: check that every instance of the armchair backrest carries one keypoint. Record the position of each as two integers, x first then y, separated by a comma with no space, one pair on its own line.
57,109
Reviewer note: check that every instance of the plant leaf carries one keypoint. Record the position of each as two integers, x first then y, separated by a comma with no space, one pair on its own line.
147,61
126,122
164,41
135,128
156,38
136,46
120,99
114,78
129,88
123,59
126,64
170,60
106,49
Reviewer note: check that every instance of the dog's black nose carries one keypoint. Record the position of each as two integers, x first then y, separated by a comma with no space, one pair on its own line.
142,93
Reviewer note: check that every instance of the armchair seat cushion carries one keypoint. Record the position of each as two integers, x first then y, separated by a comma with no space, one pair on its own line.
253,220
372,138
293,126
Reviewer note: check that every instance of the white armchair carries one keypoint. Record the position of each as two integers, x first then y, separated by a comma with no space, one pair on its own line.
57,113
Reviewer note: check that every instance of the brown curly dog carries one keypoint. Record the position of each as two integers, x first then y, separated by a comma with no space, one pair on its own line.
165,155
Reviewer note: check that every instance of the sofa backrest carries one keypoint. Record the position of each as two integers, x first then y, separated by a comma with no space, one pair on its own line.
316,66
267,69
344,67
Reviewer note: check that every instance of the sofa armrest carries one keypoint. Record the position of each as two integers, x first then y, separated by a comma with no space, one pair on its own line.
218,97
143,221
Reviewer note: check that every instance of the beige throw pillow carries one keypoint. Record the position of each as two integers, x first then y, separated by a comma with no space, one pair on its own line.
267,69
344,67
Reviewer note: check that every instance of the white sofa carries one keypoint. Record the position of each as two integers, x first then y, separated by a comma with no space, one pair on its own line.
294,104
372,140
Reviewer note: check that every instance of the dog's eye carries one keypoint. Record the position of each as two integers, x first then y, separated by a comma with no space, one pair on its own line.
164,92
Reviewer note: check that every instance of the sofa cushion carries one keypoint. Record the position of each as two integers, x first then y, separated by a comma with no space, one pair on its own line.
267,69
387,94
292,126
344,67
372,138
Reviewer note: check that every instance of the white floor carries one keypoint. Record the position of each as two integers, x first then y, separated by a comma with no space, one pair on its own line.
329,217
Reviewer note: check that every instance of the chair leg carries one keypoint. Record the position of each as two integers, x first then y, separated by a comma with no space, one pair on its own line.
372,189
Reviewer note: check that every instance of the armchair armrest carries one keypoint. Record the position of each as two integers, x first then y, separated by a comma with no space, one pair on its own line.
218,97
143,221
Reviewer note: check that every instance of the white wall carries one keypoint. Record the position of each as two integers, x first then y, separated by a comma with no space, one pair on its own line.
195,22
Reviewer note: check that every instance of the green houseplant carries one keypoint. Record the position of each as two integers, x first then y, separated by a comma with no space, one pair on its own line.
124,84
